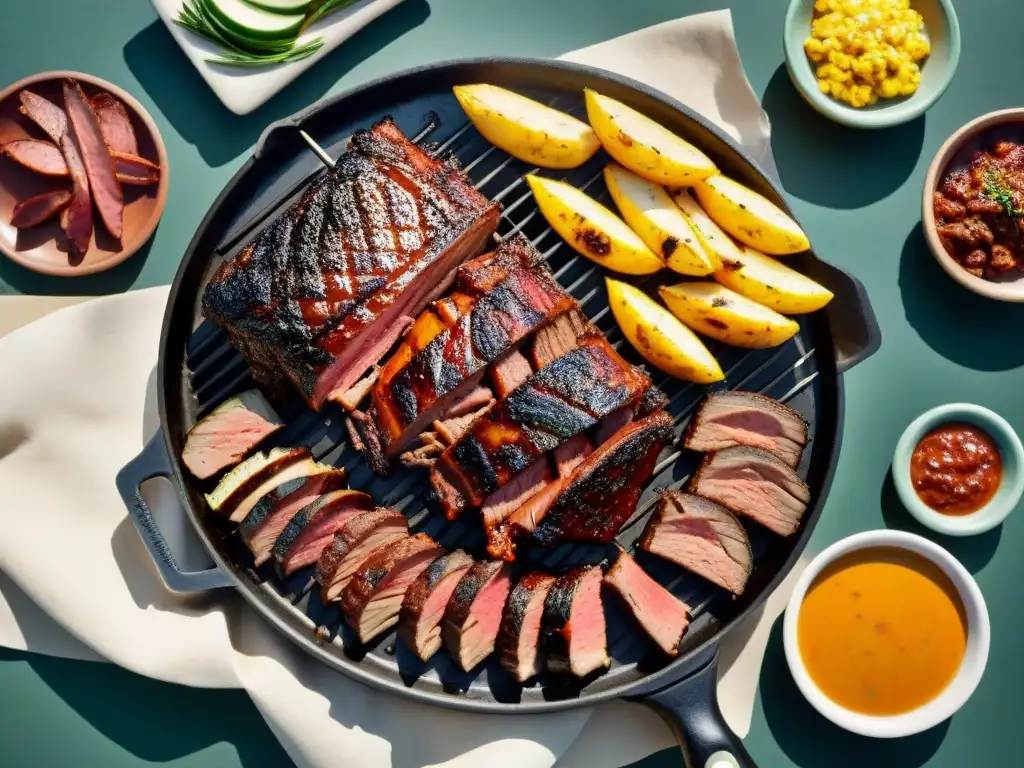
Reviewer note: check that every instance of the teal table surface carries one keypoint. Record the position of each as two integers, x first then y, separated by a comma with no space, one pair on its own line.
857,193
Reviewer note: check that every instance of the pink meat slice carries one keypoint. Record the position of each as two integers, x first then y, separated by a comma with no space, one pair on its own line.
229,433
701,536
755,483
570,455
318,523
76,218
473,614
39,156
507,501
663,616
573,624
45,114
115,125
519,636
419,623
134,170
38,208
727,419
99,166
373,598
353,543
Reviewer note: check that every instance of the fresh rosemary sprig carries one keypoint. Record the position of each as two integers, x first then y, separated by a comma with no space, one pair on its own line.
997,191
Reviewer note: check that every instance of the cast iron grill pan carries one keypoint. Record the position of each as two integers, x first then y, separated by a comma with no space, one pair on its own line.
199,369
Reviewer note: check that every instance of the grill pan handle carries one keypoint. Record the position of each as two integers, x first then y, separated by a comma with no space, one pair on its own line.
855,330
153,462
690,706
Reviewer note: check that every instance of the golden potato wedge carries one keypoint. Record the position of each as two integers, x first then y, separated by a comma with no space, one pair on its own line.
527,129
650,212
664,342
645,147
712,237
724,315
770,282
749,217
591,229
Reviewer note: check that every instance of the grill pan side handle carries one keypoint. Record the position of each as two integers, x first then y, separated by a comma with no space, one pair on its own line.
153,462
855,329
690,707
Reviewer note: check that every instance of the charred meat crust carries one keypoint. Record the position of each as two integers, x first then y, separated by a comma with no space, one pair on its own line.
556,626
448,566
376,568
286,459
604,489
460,605
317,277
531,590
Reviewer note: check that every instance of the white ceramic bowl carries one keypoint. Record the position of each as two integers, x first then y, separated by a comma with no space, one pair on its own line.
946,704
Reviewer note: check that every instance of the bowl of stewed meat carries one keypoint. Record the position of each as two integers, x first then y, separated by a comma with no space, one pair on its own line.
973,206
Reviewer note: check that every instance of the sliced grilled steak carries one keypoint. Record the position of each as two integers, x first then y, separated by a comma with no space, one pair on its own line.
703,537
506,501
312,530
473,614
570,455
373,598
228,433
559,338
572,624
40,156
355,541
99,167
510,372
601,493
323,292
273,512
411,395
663,616
755,483
419,623
726,419
254,478
519,636
38,208
115,125
611,424
561,400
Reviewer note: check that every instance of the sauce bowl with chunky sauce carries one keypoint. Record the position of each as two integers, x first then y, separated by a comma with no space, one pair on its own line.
886,634
959,469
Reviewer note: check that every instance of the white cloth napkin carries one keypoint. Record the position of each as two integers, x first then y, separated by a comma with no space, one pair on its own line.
79,402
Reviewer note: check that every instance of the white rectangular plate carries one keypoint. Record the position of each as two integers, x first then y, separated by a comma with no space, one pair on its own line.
243,89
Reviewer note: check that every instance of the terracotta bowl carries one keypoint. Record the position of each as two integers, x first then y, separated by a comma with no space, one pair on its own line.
44,248
978,134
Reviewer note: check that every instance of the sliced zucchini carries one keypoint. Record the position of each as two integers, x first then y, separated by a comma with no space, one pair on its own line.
283,6
255,23
252,45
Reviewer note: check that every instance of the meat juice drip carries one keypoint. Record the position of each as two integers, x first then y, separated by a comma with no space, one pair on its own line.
956,469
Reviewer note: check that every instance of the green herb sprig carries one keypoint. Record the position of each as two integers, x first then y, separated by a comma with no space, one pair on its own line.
997,191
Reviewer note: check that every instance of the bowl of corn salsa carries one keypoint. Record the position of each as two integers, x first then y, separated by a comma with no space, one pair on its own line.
871,63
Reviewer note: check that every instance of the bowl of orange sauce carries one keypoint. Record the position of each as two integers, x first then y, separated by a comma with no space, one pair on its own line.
959,469
886,634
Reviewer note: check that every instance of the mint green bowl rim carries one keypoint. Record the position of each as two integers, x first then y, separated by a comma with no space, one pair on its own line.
898,112
1010,450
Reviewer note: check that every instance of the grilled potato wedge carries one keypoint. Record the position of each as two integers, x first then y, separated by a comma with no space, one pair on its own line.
650,212
772,284
712,237
645,147
527,129
591,229
663,341
724,315
749,217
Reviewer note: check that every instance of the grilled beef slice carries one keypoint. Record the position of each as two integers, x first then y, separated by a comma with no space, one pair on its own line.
275,510
746,418
99,166
572,624
519,635
755,483
663,616
238,491
559,401
325,290
601,493
228,433
419,623
36,209
414,392
353,542
373,598
701,536
312,530
473,614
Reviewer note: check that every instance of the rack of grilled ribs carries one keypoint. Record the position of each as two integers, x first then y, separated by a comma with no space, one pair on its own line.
438,372
321,294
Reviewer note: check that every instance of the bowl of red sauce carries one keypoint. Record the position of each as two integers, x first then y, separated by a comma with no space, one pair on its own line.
959,469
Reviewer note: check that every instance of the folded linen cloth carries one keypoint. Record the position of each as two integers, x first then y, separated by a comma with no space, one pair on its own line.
72,417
